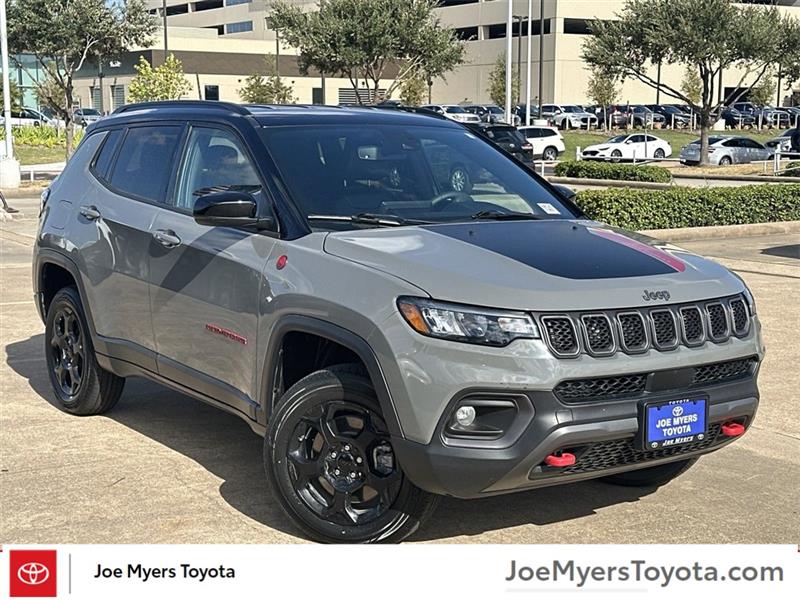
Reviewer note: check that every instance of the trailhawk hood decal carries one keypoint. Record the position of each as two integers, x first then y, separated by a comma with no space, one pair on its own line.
541,265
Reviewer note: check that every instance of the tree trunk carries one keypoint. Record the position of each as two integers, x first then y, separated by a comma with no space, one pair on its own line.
705,125
69,121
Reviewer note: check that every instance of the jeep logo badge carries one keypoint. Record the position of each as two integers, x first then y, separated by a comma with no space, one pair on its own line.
657,295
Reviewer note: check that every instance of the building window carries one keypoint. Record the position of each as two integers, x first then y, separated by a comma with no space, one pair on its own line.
219,28
118,96
97,99
207,5
456,2
467,34
577,26
316,96
235,2
211,92
498,30
178,9
348,95
239,27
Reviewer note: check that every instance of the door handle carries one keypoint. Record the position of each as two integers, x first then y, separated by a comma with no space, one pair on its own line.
90,212
167,238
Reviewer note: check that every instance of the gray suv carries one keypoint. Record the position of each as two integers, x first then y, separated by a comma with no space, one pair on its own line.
313,271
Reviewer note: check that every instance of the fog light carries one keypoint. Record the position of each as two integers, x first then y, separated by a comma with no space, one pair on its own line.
465,415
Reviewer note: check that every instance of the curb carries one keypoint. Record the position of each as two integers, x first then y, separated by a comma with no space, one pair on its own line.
646,185
755,178
27,191
686,234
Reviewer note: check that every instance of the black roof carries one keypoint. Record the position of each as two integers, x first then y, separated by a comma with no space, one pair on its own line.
278,114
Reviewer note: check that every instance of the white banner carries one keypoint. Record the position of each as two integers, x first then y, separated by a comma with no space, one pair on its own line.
419,572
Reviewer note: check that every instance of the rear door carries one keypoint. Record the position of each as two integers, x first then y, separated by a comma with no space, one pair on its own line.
207,281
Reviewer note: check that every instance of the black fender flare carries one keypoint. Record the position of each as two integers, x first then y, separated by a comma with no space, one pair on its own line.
335,333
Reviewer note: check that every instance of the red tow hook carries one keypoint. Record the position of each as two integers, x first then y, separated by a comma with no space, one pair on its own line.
560,460
732,429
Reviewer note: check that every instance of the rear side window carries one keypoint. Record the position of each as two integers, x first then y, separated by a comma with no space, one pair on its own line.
102,163
145,161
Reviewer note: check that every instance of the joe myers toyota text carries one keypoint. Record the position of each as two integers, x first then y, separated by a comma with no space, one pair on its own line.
399,307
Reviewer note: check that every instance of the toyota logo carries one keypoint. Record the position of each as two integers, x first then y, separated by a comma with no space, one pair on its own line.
33,573
677,411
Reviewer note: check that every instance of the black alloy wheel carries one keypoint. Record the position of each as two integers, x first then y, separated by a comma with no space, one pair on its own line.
67,351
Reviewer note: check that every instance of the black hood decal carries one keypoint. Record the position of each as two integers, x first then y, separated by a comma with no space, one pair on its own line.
565,248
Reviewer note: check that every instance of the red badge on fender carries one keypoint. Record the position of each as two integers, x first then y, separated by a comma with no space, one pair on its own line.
33,574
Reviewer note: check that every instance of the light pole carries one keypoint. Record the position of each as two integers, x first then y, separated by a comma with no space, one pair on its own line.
509,59
528,70
9,168
164,15
519,19
541,54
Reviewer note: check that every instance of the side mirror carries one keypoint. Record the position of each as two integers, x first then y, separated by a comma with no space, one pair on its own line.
229,209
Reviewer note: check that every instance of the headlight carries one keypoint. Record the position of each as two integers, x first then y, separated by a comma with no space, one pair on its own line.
465,323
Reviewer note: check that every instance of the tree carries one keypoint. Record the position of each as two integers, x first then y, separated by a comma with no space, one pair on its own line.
497,82
14,92
414,90
692,85
165,82
268,88
764,91
363,40
602,90
64,34
708,36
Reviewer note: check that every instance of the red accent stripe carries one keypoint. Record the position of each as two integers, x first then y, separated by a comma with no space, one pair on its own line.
651,251
227,333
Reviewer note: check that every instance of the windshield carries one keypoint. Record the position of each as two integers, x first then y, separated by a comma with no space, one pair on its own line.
495,110
454,109
420,173
570,108
89,111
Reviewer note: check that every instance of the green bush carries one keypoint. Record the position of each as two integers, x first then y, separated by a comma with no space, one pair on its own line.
792,169
585,169
692,207
43,137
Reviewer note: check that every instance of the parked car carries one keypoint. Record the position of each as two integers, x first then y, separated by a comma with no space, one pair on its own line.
646,118
766,116
640,146
520,113
488,113
568,116
546,142
736,119
453,112
726,150
412,341
673,116
25,117
86,116
782,143
508,138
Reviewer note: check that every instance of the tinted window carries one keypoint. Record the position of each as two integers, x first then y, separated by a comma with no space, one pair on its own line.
650,138
637,139
102,164
732,144
407,171
145,161
215,161
454,109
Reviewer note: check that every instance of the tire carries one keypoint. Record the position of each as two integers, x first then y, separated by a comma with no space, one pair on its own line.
550,153
616,156
323,466
80,385
725,161
651,476
659,153
460,180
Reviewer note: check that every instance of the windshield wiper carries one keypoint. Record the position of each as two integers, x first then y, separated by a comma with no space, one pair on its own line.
496,215
370,219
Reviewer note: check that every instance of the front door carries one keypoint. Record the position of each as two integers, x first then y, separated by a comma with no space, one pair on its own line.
207,281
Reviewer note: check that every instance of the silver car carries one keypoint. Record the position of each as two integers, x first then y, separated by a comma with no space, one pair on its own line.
454,112
726,150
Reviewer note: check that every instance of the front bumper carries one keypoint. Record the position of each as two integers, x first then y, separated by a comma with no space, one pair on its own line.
601,435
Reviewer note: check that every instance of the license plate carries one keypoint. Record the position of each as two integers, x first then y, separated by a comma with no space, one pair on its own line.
674,422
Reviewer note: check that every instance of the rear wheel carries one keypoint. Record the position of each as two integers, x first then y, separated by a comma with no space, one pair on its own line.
550,153
459,180
725,161
651,476
80,385
329,456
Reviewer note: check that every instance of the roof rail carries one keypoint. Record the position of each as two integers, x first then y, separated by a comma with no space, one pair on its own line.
417,110
227,106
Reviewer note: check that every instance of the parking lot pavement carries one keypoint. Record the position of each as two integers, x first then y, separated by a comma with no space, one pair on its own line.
161,467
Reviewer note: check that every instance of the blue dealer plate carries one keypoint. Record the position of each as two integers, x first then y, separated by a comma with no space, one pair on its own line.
674,422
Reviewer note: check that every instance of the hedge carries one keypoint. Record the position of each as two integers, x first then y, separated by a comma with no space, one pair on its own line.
605,170
692,207
792,169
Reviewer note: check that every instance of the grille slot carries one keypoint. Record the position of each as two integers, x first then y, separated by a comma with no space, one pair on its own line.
561,335
723,371
665,335
717,321
692,326
633,333
739,316
601,388
599,335
618,453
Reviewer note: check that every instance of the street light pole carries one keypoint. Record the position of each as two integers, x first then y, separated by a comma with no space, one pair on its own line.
164,15
6,80
541,53
528,70
518,19
509,59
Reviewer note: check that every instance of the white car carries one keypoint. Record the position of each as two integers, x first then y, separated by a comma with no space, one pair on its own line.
568,116
547,142
454,112
26,117
640,146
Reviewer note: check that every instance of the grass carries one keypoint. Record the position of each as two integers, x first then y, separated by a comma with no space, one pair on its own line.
32,155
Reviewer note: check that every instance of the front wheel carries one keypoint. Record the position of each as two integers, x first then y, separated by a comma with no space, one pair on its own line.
651,476
329,456
616,156
659,153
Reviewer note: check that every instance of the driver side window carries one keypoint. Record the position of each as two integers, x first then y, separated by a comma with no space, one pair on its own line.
214,161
